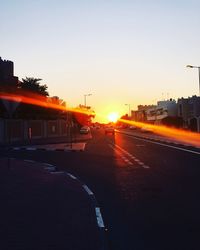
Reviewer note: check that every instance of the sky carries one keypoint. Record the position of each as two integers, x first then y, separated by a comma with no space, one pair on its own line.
120,51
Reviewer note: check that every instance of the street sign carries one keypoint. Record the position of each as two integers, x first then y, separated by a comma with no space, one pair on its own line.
11,105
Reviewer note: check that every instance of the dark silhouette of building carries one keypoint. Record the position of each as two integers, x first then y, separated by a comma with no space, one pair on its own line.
189,110
7,78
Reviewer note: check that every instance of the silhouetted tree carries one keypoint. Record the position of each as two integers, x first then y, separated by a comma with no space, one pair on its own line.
85,116
33,85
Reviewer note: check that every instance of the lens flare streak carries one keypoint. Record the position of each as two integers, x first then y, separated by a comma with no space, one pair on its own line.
42,102
177,134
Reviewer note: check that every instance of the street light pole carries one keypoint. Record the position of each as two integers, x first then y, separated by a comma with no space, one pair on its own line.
197,67
129,109
85,98
199,79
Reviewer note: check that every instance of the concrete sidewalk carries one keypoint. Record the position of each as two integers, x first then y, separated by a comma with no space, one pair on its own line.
51,140
43,209
67,147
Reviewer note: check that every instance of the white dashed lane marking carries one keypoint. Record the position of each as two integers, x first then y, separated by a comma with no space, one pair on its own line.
144,166
87,190
124,158
99,217
58,172
129,155
31,149
50,168
16,148
47,164
135,159
72,176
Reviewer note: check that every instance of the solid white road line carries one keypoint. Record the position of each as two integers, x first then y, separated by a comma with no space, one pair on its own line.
99,217
87,190
165,145
72,176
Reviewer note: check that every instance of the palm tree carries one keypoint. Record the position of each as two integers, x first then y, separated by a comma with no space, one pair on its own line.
33,85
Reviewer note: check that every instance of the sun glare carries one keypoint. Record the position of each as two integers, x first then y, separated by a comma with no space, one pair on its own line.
113,117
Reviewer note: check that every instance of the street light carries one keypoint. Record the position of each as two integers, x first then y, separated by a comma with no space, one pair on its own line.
197,67
129,109
85,98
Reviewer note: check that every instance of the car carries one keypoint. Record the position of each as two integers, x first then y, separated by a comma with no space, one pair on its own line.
146,129
133,127
85,130
109,130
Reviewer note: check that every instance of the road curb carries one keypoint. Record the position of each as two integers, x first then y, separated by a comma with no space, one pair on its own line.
45,149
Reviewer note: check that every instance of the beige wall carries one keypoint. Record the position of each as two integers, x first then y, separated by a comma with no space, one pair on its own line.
24,130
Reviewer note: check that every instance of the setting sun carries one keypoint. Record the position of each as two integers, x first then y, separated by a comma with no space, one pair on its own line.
113,117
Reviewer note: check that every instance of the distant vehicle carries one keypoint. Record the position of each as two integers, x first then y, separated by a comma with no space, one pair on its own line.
109,130
118,127
146,130
132,127
84,130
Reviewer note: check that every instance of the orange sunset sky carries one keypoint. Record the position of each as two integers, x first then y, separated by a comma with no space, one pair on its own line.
122,52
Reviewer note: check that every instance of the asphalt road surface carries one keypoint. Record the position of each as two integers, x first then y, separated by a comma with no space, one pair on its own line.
148,192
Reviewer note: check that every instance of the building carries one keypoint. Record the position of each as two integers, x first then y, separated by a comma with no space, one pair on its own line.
189,110
155,113
140,114
185,113
7,78
163,109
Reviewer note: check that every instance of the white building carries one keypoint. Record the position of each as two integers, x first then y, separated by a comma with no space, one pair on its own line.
162,110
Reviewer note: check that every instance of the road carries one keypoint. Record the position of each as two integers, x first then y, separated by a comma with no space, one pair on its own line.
148,192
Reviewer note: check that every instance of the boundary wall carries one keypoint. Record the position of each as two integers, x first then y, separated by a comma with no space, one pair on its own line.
24,131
